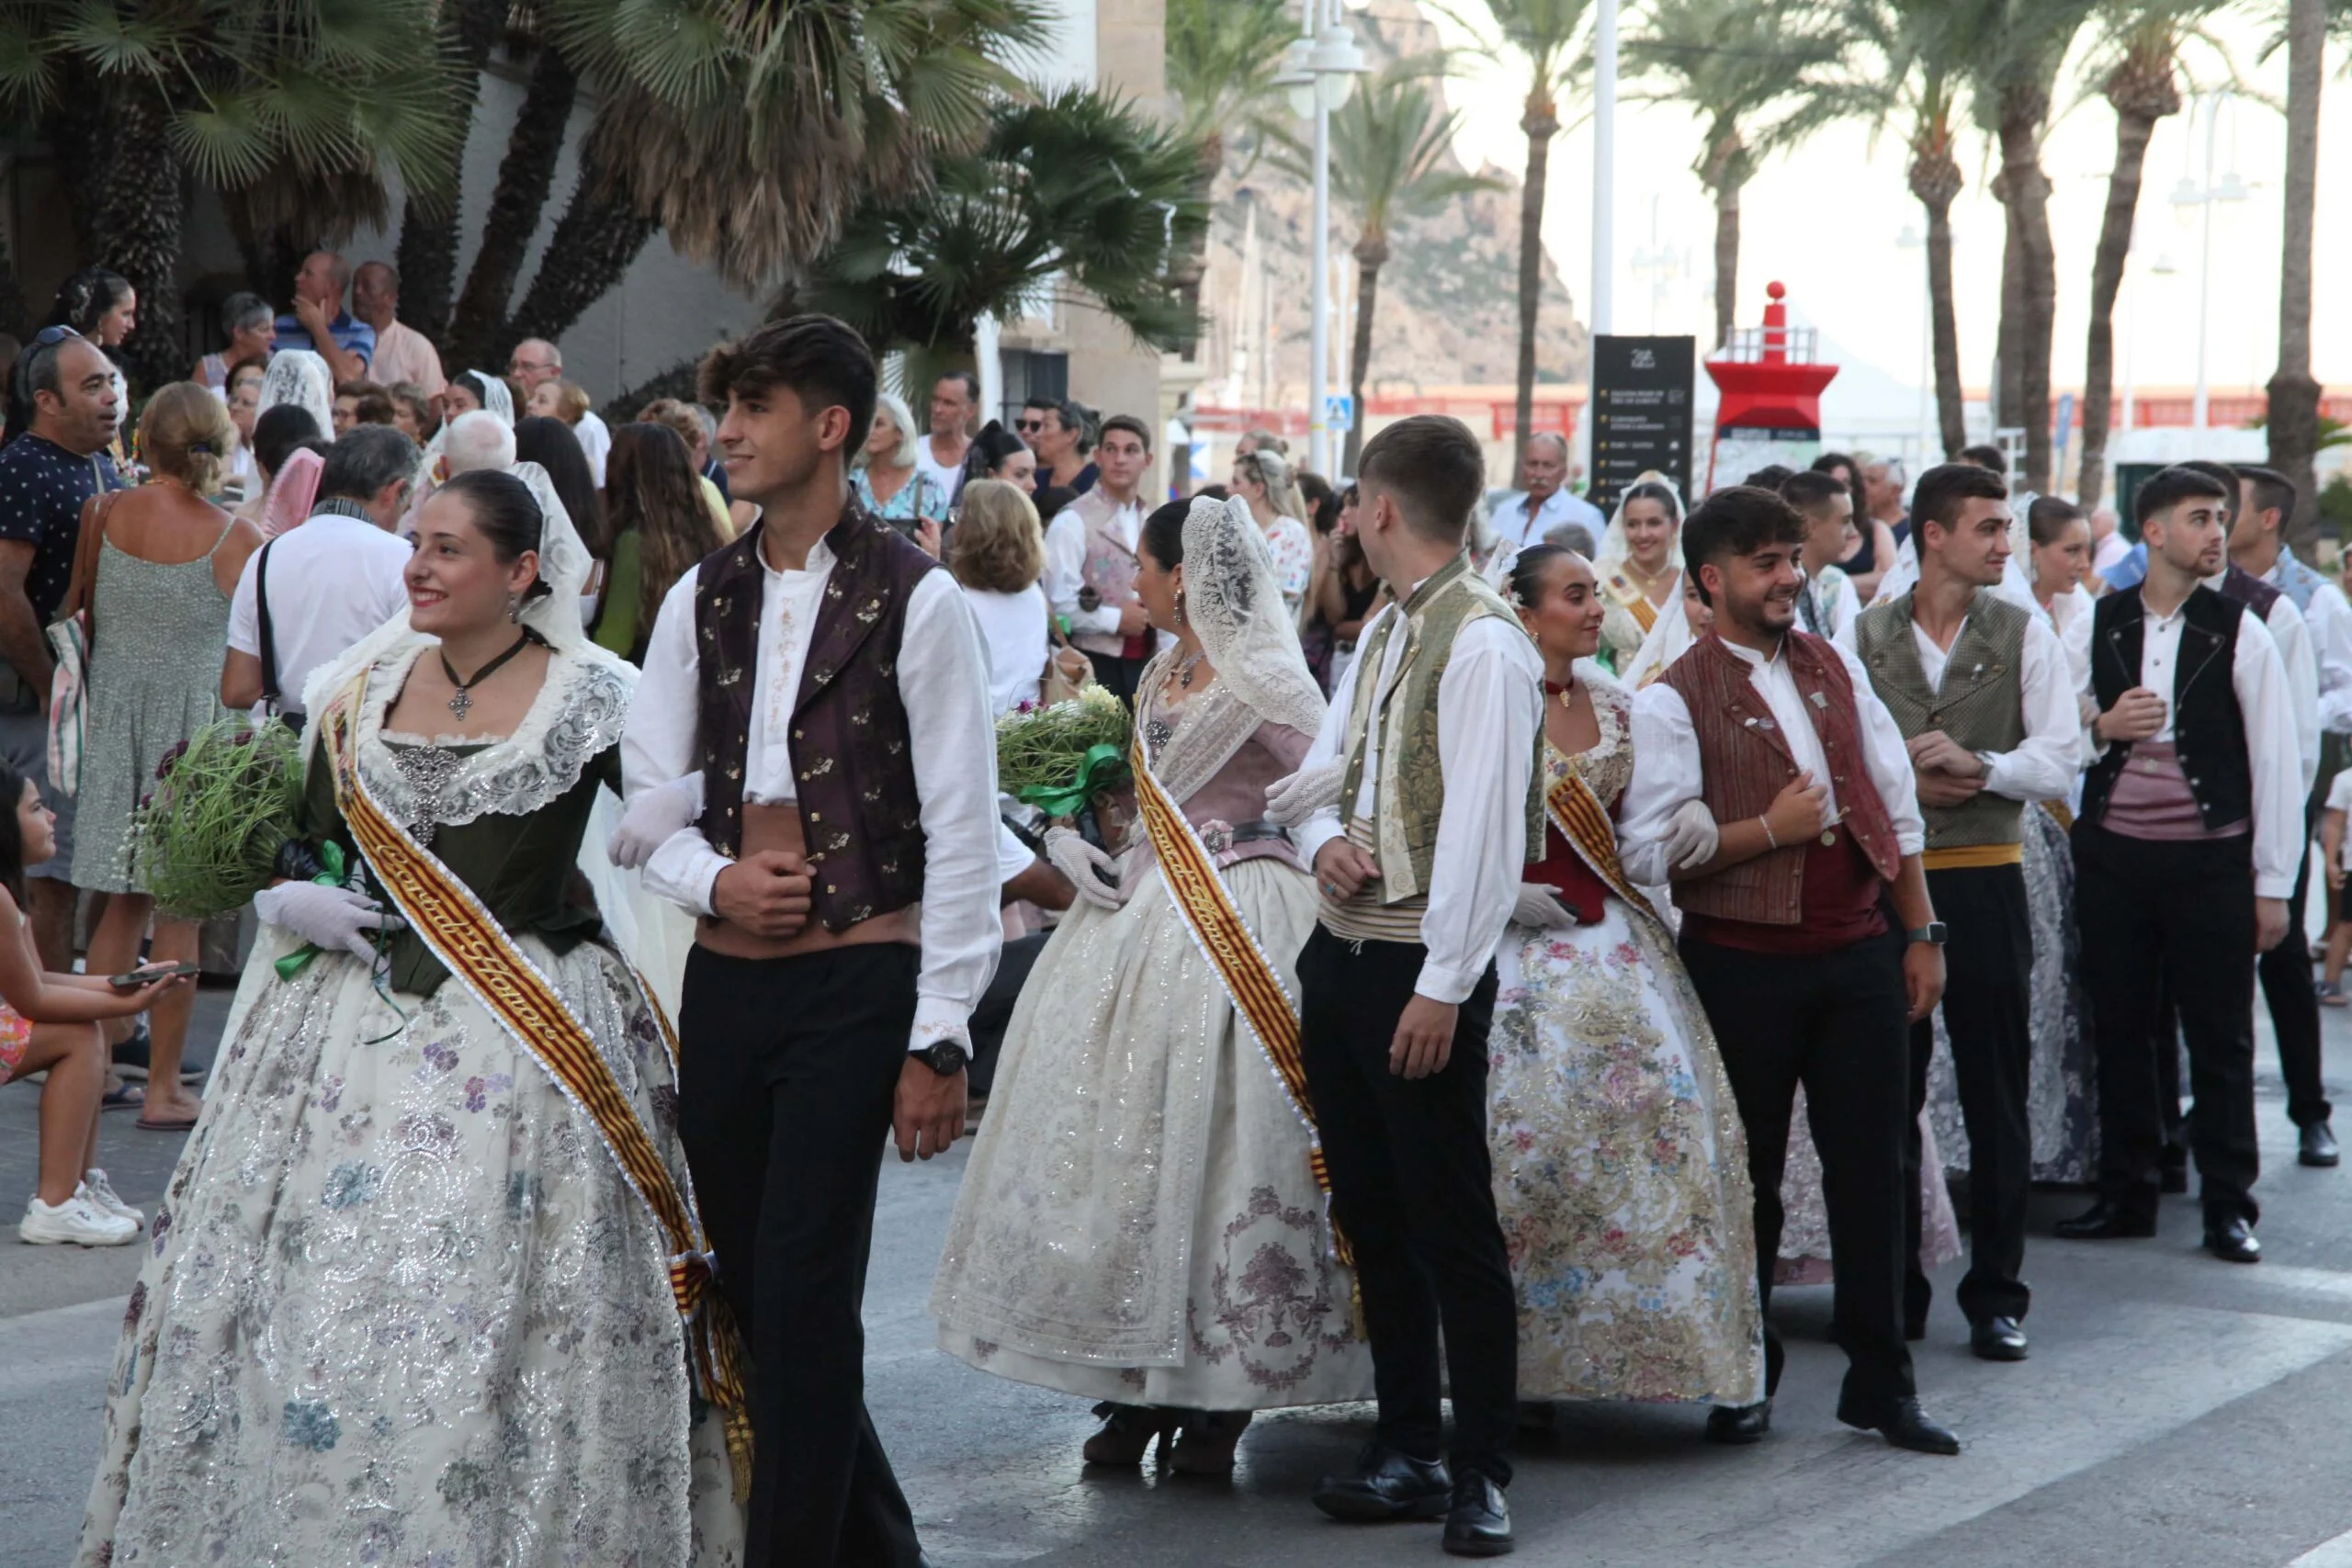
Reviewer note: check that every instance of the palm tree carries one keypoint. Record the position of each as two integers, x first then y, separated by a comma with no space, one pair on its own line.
2015,76
1757,76
427,257
1543,35
1079,188
1223,56
2136,75
2294,394
274,104
1391,157
526,177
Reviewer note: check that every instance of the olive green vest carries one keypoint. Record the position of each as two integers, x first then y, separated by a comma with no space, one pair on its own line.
1408,793
1981,703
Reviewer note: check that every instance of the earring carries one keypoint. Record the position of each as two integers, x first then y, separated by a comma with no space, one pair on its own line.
1179,605
513,607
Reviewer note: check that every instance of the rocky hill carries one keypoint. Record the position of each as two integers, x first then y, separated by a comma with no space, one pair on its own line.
1447,312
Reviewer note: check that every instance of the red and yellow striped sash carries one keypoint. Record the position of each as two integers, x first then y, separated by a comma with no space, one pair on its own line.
1577,813
1225,940
476,950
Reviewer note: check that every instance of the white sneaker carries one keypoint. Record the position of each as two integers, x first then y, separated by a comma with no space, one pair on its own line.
77,1220
103,1197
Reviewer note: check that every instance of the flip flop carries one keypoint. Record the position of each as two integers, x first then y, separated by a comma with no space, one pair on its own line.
124,1096
146,1125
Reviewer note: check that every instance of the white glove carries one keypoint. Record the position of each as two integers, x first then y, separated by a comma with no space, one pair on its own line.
1092,872
1540,906
653,819
336,919
1692,838
1292,801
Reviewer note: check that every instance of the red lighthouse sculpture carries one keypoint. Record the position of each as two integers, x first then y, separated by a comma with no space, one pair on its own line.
1769,382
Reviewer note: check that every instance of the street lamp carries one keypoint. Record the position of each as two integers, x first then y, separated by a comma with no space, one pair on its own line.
2188,197
1319,70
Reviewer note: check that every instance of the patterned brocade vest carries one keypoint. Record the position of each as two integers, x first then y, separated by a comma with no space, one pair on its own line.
1109,570
1745,763
852,768
1981,703
1408,793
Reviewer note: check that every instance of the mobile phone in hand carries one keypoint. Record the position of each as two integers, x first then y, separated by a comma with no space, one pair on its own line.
139,978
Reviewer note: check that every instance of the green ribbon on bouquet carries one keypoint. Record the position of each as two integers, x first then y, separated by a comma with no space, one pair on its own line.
331,857
1099,769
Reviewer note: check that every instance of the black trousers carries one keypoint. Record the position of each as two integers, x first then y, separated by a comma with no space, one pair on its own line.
1116,676
1412,1185
993,1016
2285,973
1989,978
788,1069
1837,1023
2181,913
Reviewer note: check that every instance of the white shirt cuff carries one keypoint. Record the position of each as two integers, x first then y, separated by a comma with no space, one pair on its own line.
1313,834
2274,888
940,1022
1441,984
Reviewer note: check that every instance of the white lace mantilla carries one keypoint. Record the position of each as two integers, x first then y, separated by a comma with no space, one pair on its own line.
578,712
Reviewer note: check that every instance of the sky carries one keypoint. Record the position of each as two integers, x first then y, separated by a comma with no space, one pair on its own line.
1828,218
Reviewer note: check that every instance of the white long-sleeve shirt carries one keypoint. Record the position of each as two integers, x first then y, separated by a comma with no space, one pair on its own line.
2330,619
1667,770
2259,679
1489,710
2292,638
1066,566
943,683
2044,763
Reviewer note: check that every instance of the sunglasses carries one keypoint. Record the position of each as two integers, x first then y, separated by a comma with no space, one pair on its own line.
1029,426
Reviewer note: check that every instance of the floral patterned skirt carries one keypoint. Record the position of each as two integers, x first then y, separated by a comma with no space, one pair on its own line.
400,1306
1621,1173
1139,1222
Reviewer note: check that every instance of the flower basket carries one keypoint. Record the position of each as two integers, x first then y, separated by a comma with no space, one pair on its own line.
224,812
1064,758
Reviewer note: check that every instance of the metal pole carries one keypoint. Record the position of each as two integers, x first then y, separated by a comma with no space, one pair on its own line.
2197,419
1318,349
1604,166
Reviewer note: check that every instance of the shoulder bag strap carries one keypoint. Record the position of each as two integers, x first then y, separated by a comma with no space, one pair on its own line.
269,694
82,588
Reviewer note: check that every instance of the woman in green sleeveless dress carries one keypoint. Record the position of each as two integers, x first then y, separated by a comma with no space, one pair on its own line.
159,615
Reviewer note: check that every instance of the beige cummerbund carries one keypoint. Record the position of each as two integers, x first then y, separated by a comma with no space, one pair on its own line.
1364,918
778,827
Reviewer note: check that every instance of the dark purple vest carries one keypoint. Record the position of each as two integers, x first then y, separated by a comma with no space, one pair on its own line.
854,770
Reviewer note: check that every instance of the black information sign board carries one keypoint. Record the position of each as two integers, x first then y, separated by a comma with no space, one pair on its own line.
1641,413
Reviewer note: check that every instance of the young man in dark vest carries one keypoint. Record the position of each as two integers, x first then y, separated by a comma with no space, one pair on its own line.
825,679
1979,687
1773,791
1419,854
2185,855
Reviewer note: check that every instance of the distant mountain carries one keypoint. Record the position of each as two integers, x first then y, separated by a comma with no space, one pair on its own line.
1447,311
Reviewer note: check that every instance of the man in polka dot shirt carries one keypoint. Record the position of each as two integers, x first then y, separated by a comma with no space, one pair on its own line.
46,476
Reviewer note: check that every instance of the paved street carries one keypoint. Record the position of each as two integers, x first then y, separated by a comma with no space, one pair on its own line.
2177,1411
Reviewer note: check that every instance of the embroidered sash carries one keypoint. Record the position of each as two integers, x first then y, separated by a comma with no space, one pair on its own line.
1577,813
478,952
1637,603
1232,949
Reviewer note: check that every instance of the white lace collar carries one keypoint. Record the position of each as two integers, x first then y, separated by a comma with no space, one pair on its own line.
578,712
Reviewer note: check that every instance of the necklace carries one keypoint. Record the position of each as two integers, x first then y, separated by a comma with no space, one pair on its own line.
1184,671
462,701
1567,694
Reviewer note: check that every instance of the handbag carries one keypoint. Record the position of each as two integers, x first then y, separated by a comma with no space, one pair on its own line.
1068,673
70,637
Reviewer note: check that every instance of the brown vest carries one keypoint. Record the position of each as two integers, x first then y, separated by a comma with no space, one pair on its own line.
1745,762
854,777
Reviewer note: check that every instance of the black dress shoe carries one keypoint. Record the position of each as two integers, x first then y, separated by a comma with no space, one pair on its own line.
1387,1485
1904,1424
2316,1145
1998,1340
2104,1222
1478,1525
2233,1241
1739,1423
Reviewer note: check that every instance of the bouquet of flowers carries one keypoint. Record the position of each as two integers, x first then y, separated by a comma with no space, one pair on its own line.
222,818
1059,756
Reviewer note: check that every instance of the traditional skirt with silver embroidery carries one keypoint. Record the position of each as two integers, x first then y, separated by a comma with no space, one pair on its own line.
400,1306
1139,1222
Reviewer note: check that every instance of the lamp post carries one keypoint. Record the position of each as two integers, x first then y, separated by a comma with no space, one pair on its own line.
1319,70
2187,196
1604,167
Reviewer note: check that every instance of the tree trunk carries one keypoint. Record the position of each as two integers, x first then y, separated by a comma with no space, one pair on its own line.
1726,259
2132,129
139,206
2028,197
15,319
2294,393
1541,124
524,177
600,234
2008,395
1935,181
1372,254
427,258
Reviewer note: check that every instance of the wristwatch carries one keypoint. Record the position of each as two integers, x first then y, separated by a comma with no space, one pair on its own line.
947,1059
1932,933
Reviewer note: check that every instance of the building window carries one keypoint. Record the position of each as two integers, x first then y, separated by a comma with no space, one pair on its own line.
1031,373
